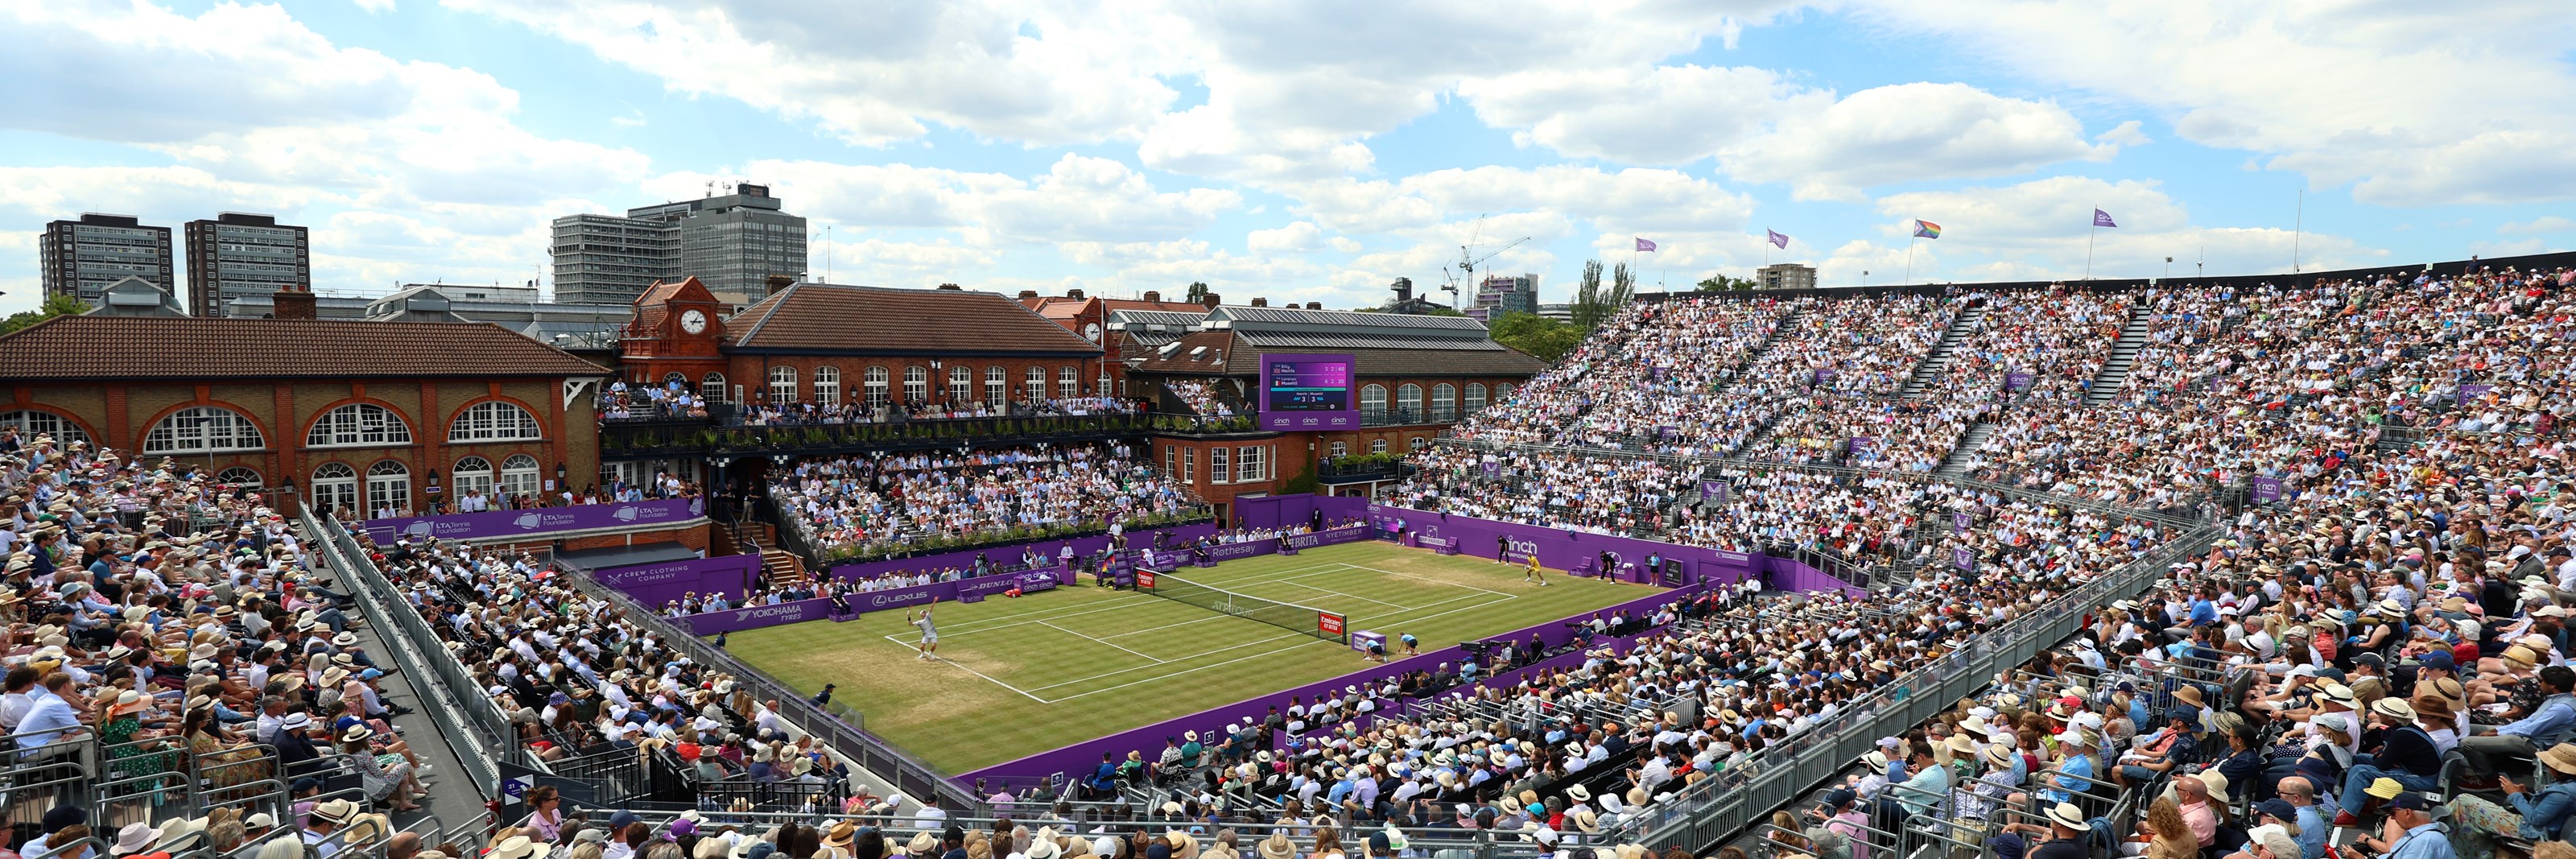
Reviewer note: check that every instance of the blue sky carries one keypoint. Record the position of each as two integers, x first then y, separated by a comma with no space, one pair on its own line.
1313,150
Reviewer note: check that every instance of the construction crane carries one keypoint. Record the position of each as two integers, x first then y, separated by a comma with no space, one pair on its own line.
1468,259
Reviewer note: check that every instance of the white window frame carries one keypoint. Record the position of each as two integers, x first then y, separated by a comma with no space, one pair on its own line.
358,425
472,474
1475,397
1220,465
827,386
961,383
1068,382
203,429
1248,464
1035,383
997,386
1373,397
916,384
782,385
494,420
712,388
34,422
335,488
521,475
389,480
878,385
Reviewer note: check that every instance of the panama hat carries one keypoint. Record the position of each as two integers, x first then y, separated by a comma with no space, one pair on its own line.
1277,846
2561,757
2385,788
2393,708
337,811
2067,815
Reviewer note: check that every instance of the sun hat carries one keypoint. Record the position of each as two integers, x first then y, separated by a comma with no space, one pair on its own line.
2067,815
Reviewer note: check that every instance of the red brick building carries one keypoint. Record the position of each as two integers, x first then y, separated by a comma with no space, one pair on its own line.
1415,376
831,344
356,416
1088,316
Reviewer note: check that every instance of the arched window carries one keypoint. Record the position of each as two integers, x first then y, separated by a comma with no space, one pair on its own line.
388,488
519,476
493,420
1373,398
238,476
335,489
1036,389
1341,448
473,474
997,387
204,428
874,382
1475,396
916,384
358,425
1444,401
1419,443
1503,392
961,383
712,388
32,423
674,381
1408,402
1068,382
1377,445
827,386
782,384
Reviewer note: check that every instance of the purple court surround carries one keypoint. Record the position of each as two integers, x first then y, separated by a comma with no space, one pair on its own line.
540,522
1556,548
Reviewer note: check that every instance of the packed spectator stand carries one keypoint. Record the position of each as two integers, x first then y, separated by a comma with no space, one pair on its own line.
884,504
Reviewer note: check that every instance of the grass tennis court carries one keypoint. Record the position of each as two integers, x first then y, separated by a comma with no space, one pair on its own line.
1021,676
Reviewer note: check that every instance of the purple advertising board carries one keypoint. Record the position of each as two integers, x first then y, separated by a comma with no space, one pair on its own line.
1959,522
2469,393
1308,392
1712,491
1823,376
1861,442
1557,548
2016,381
655,584
1962,558
2267,489
1655,374
540,522
1083,756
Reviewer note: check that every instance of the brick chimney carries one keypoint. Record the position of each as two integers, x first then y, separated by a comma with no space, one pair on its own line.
951,287
779,283
1151,295
1261,302
1027,294
294,302
1211,300
1073,293
1314,305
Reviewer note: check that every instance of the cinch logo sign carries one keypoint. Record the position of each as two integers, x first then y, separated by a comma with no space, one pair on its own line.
1523,547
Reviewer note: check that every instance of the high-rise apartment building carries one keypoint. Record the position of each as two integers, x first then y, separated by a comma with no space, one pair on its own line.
731,243
1787,275
237,255
82,257
1499,295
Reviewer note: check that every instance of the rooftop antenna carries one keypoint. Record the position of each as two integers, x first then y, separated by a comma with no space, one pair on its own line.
711,187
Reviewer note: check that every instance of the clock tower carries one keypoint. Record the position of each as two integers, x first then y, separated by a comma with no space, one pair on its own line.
678,329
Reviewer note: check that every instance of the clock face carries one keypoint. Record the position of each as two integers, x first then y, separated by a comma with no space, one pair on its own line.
1091,332
694,321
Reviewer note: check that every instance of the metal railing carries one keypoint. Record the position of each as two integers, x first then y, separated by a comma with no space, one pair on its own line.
475,730
910,775
668,438
1715,809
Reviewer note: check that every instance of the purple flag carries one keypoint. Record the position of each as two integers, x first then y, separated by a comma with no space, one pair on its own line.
1778,240
2102,219
1645,245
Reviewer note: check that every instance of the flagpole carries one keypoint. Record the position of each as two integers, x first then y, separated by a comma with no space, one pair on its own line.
1909,258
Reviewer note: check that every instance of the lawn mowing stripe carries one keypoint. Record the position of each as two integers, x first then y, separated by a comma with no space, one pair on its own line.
1232,661
1123,601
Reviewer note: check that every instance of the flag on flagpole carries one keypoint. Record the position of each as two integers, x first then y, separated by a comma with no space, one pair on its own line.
1645,245
2102,219
1777,240
1926,229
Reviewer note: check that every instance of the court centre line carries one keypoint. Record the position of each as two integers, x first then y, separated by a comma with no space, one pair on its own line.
1395,606
1273,638
1080,635
1126,600
1189,657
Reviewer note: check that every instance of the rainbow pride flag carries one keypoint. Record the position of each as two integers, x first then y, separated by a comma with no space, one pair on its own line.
1926,229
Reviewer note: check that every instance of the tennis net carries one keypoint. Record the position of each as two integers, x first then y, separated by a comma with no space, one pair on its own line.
1326,625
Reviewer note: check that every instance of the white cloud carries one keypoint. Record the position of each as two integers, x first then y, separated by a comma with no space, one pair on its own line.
2042,230
375,6
2124,134
1295,238
1662,115
1911,132
2415,103
1636,199
1079,198
2543,224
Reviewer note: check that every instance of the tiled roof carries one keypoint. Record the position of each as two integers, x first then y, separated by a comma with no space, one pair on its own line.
822,318
90,347
1248,317
1230,354
649,307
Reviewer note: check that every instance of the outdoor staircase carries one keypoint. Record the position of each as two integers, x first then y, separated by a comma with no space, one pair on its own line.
2124,355
1965,453
782,568
1937,362
1736,373
745,536
1761,433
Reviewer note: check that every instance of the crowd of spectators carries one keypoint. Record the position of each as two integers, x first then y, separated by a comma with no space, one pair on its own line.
858,501
1602,494
1201,396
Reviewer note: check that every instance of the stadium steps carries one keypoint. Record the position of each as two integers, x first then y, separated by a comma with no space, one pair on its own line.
1965,453
782,567
1761,433
746,537
1937,362
2124,355
1736,373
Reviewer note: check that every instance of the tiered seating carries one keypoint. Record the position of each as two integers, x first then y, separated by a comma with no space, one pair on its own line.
853,503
